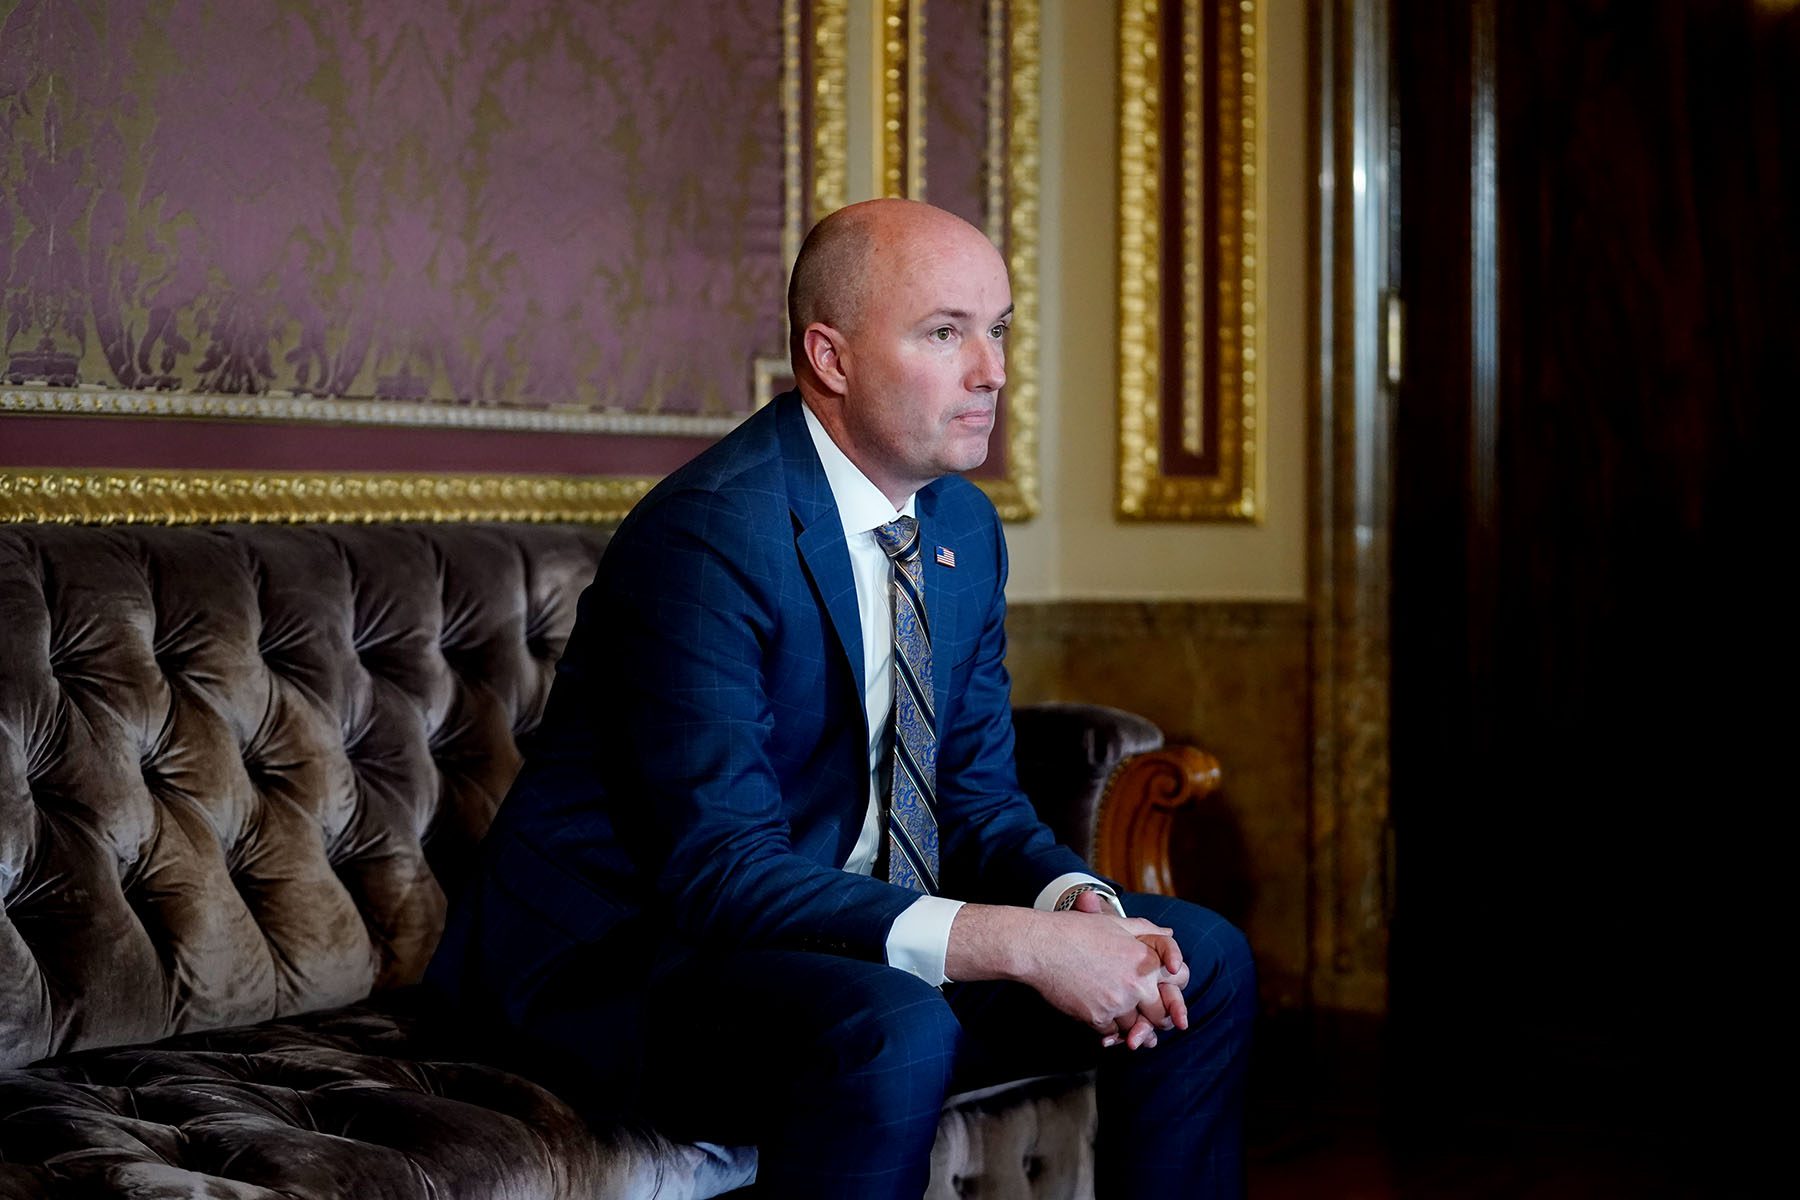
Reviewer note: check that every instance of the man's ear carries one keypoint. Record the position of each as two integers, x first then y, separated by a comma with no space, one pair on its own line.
824,349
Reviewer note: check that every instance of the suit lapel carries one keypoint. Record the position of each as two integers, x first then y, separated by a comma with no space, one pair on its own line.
819,536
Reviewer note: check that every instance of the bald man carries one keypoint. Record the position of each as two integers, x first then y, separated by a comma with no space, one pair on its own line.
767,876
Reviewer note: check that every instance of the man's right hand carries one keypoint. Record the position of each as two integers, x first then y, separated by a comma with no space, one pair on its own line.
1108,972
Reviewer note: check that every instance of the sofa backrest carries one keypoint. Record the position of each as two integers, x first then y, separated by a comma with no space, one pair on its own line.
241,765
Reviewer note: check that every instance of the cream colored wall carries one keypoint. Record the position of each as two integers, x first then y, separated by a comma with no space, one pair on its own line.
1075,548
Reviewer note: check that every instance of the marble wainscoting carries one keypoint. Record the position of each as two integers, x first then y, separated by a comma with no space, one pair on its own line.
1233,678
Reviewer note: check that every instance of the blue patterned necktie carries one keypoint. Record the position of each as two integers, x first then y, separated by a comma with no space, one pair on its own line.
911,832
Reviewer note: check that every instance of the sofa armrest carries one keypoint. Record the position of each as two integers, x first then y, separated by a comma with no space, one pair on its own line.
1067,754
1137,814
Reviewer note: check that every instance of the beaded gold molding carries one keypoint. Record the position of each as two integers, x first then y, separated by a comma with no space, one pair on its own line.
831,123
1011,187
903,98
1231,30
86,401
1016,496
101,496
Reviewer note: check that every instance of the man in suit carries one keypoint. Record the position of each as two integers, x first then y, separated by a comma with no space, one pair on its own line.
767,876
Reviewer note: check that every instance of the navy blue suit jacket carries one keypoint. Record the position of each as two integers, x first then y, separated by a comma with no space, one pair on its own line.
701,773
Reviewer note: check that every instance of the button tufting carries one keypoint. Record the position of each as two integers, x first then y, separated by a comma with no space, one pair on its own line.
258,772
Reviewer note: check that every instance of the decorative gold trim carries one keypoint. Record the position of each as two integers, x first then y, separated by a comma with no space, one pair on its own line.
894,98
915,99
40,400
101,496
1017,496
1145,492
1193,254
763,374
994,208
903,98
1139,234
1011,170
831,125
793,187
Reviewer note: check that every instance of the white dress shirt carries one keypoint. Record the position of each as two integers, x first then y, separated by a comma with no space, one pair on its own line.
920,935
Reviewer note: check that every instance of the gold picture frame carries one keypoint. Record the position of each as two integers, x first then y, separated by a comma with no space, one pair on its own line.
1013,70
1190,263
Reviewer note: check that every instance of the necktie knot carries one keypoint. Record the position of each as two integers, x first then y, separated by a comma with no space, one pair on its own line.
900,538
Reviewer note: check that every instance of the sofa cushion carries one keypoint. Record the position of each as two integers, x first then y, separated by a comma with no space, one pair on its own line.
374,1102
241,767
1031,1139
352,1102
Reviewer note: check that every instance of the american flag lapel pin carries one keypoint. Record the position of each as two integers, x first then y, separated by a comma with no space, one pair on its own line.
946,556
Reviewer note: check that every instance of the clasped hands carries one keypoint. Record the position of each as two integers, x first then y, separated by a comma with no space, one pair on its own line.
1162,975
1121,976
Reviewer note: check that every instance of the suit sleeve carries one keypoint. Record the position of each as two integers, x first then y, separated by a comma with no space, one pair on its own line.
995,848
688,596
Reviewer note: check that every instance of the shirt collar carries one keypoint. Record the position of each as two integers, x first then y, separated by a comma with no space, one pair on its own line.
861,505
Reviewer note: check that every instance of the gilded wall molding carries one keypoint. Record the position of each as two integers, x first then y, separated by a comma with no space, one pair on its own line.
1190,388
831,123
1016,496
105,497
1010,183
999,80
903,98
114,402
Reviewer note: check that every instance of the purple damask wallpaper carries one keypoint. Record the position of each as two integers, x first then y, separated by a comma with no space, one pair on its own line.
958,35
522,205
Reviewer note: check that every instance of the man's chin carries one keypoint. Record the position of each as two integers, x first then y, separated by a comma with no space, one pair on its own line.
970,461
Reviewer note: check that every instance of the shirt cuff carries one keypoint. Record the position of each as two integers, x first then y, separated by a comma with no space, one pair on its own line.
919,938
1046,899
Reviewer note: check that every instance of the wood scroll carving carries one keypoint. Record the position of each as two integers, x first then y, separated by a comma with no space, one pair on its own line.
1137,813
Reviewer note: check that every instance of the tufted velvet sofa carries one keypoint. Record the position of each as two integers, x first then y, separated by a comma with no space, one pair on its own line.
241,769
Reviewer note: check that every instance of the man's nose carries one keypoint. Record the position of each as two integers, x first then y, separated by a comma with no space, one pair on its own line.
988,372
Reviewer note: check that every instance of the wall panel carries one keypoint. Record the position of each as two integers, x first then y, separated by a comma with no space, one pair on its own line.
388,227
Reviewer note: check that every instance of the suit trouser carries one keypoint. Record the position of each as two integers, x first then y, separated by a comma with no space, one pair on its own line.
836,1068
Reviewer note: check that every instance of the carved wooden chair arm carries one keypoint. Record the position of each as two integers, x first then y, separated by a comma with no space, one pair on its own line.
1137,814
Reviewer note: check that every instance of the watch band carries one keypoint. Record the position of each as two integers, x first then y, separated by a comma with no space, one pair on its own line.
1068,898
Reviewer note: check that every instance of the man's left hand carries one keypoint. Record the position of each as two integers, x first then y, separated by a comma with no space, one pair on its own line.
1141,1032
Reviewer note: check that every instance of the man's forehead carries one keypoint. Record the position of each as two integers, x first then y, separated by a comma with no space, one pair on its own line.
957,270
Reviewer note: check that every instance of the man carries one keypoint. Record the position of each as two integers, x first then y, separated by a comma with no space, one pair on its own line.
772,810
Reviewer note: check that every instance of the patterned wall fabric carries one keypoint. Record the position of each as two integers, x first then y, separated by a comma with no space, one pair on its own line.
537,203
959,106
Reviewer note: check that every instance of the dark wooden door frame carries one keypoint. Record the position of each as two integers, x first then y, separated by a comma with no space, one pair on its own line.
1350,452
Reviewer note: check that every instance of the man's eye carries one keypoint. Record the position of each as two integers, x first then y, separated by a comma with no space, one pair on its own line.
999,331
942,333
